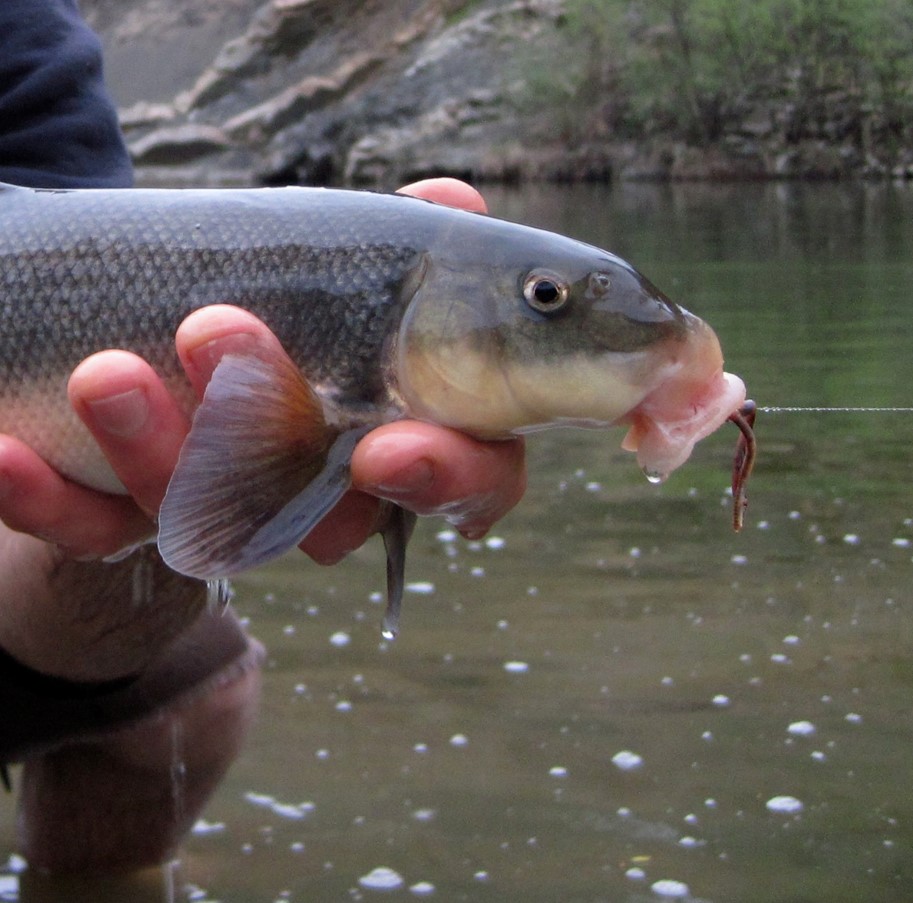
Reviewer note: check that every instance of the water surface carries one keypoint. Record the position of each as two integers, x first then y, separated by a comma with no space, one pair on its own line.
614,690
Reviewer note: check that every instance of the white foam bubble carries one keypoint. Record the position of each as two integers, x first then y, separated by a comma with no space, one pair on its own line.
514,667
203,828
667,887
627,760
381,878
785,805
801,729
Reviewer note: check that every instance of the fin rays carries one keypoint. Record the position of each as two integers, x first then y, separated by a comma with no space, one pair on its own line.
258,440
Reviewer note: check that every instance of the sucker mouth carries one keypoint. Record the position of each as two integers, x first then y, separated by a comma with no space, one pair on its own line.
664,434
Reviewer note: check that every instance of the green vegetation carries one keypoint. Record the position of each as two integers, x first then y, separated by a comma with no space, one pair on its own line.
692,68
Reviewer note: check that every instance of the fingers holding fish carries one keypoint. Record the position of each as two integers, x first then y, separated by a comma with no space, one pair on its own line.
351,522
434,470
35,499
208,334
137,423
447,191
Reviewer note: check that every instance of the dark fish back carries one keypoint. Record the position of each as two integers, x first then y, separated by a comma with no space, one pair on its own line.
82,271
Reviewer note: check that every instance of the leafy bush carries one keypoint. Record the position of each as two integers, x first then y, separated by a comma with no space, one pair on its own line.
691,67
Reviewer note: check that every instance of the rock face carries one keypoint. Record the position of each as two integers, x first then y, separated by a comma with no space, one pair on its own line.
321,91
379,92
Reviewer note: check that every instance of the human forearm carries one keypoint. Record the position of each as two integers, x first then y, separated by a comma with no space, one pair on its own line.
89,621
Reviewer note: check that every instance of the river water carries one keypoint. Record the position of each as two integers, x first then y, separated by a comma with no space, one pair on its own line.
613,697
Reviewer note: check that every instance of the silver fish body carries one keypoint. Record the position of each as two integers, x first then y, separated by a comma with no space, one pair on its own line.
389,306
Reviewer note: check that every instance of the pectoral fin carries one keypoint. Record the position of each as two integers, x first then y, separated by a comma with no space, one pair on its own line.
259,468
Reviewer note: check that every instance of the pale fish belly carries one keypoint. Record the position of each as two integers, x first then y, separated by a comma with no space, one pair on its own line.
41,416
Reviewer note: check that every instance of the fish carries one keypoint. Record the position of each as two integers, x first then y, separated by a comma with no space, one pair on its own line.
388,306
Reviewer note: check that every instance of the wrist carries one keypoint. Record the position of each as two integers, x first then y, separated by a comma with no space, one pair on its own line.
89,622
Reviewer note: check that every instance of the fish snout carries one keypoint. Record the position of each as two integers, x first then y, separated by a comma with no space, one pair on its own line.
636,298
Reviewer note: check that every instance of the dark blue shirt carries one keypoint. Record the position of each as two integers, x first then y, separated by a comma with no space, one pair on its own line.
58,125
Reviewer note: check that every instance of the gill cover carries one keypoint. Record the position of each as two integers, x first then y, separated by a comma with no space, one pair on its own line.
554,332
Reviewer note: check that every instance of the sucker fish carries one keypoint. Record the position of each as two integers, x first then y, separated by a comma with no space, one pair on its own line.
389,306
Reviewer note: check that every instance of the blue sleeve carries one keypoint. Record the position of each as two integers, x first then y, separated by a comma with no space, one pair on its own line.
58,126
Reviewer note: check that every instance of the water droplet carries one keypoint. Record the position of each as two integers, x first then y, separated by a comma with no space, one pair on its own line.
219,593
655,476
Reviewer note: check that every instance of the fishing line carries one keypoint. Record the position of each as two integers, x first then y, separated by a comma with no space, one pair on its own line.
781,409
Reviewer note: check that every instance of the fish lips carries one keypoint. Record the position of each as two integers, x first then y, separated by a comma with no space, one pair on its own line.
663,428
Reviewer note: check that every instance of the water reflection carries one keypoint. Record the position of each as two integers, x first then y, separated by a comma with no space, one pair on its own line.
614,698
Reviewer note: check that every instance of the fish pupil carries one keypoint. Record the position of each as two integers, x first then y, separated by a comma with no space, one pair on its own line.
546,292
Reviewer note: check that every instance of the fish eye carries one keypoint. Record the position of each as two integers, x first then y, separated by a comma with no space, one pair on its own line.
546,292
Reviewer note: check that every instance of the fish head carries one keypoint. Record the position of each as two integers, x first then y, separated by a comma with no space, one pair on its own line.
528,330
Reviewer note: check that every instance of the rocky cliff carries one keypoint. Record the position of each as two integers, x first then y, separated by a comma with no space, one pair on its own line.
324,91
379,92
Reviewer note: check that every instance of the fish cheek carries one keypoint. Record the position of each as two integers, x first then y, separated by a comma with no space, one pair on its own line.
446,361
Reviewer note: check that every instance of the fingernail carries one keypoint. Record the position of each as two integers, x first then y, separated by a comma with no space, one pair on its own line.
206,356
407,482
121,415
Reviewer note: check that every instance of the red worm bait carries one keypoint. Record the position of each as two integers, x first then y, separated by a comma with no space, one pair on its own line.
743,461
